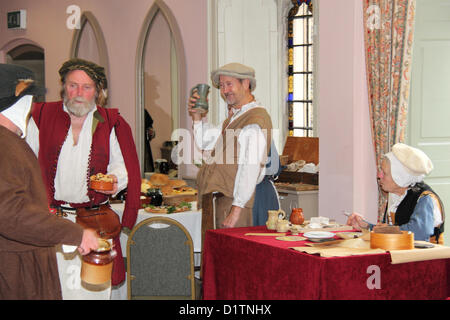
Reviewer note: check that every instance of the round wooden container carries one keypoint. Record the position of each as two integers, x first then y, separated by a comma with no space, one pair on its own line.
387,241
101,185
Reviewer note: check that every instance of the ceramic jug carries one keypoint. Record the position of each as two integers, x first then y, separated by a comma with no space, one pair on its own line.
297,216
283,225
96,267
273,217
162,166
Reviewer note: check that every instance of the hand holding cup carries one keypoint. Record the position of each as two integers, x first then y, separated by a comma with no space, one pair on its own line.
198,101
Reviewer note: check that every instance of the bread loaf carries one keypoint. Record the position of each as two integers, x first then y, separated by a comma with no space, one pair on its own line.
159,179
177,183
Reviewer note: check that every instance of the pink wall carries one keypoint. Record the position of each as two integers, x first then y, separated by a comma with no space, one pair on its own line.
347,165
121,22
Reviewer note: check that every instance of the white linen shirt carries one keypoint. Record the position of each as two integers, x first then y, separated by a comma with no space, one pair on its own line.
72,169
252,143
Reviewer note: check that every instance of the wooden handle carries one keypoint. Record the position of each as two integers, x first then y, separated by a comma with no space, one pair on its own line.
325,243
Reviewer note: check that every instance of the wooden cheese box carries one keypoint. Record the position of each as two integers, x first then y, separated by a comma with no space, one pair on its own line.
300,148
170,200
175,200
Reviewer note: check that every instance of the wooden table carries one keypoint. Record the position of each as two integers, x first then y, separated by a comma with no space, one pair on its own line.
251,267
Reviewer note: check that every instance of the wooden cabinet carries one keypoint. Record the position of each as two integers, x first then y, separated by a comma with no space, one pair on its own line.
300,189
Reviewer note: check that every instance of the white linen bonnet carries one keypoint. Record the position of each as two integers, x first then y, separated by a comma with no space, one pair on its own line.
409,165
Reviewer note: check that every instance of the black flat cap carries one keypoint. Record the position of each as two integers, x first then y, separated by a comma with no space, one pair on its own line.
16,82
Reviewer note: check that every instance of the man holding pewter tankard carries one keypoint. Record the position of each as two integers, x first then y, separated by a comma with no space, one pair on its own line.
235,152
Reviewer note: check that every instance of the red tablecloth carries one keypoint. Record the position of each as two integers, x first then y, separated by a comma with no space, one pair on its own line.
255,267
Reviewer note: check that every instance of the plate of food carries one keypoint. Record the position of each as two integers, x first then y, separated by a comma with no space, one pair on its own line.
319,235
184,206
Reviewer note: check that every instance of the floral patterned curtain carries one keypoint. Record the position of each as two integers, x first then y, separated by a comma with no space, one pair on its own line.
389,31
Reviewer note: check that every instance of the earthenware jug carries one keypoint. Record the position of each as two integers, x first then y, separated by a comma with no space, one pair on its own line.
297,216
283,225
96,267
273,217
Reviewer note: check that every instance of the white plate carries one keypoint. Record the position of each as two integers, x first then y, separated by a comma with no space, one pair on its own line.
318,235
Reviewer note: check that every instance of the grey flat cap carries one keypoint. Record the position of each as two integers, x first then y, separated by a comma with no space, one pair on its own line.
235,70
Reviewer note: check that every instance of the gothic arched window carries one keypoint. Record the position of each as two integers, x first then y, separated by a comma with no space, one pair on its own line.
300,68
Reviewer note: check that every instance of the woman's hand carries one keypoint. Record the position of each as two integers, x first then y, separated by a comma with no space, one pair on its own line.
356,221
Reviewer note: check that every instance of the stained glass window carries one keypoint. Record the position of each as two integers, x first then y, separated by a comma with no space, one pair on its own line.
300,68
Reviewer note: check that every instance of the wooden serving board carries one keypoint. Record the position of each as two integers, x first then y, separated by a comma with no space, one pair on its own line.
296,186
325,243
176,199
163,210
299,177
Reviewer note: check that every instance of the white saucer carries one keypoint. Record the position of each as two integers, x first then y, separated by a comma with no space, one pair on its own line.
319,235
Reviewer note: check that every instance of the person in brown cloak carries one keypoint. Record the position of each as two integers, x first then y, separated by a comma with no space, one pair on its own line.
28,231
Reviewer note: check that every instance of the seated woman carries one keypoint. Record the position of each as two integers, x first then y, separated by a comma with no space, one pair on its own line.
412,204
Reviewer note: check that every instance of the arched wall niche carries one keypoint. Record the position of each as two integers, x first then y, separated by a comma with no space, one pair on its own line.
178,79
89,43
29,54
14,44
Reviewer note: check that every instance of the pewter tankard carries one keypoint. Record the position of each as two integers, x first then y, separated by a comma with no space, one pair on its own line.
202,90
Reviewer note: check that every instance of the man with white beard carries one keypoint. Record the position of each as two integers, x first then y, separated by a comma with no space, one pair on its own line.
75,139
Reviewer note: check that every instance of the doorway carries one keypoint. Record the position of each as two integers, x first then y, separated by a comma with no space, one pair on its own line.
32,57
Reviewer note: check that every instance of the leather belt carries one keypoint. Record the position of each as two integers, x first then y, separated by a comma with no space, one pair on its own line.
62,211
